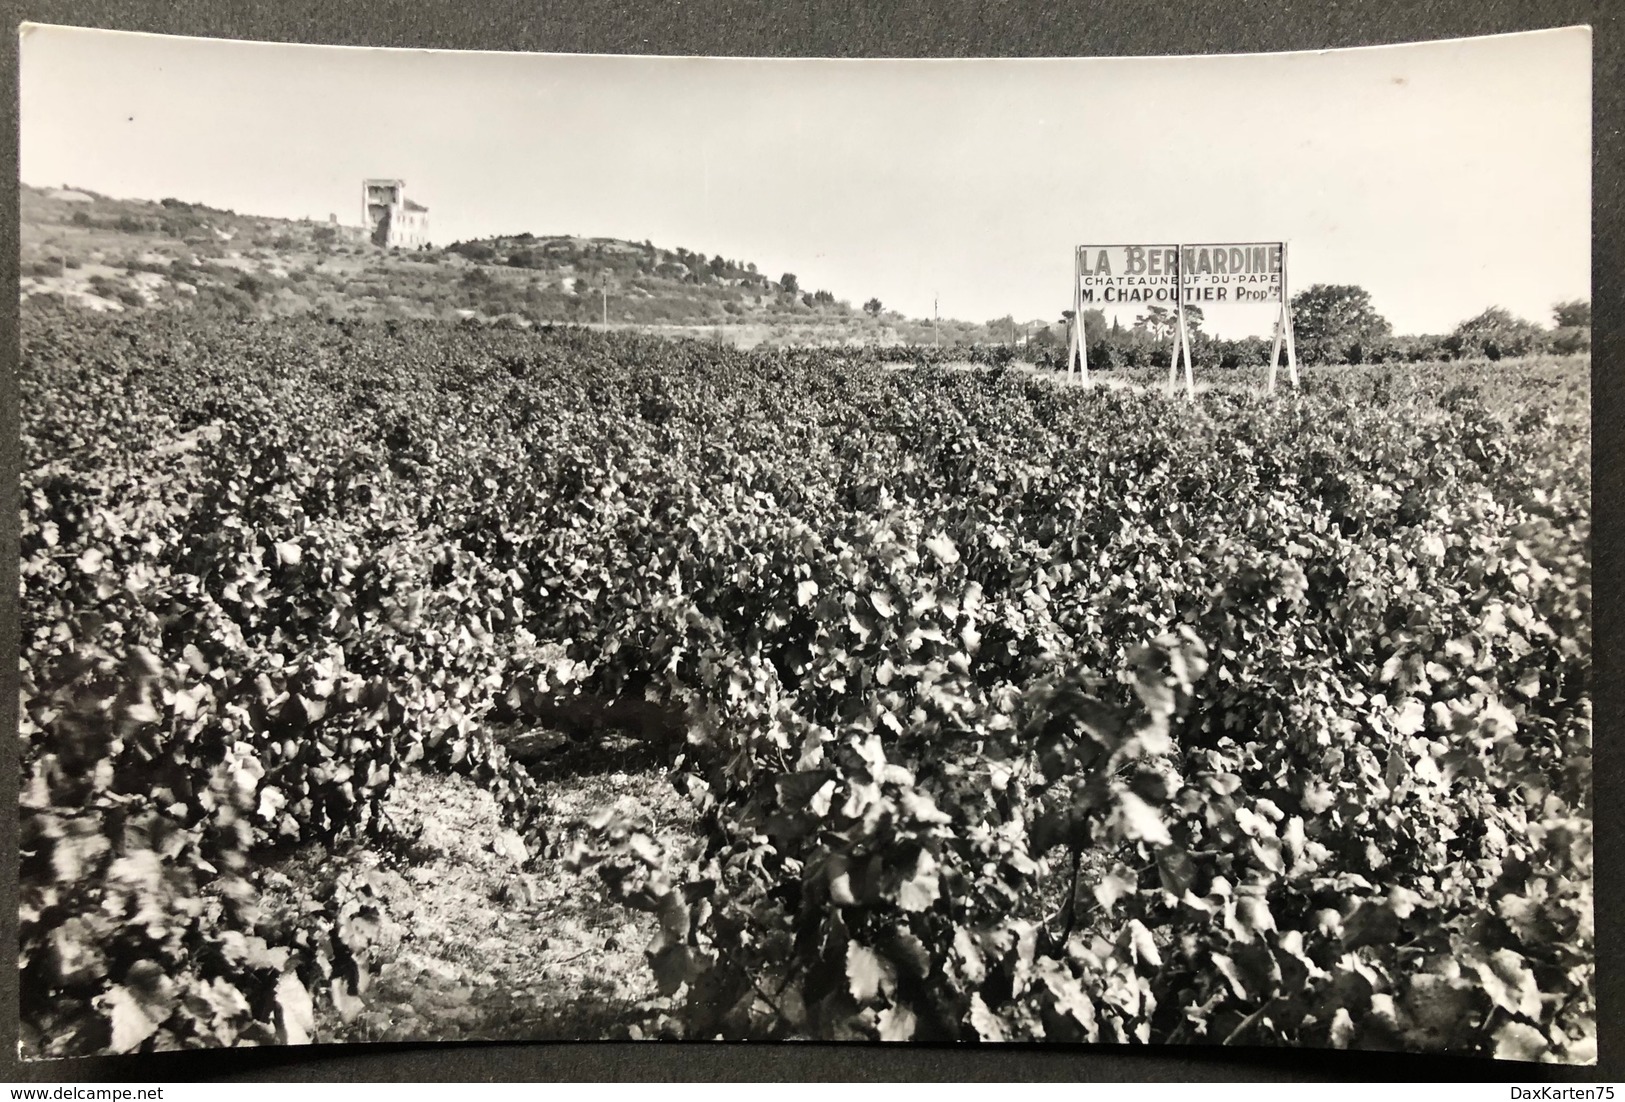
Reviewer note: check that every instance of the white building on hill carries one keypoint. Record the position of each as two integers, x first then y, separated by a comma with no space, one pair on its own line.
390,218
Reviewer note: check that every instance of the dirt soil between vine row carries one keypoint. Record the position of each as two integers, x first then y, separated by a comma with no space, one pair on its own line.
474,948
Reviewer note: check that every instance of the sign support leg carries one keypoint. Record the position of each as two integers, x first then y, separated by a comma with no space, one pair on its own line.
1185,347
1083,344
1182,333
1173,363
1077,344
1291,351
1285,329
1179,321
1072,334
1182,340
1275,347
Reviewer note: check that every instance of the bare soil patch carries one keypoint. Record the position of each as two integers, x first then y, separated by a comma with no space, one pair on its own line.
484,941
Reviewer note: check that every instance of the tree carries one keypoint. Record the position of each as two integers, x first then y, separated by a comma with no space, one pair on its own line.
1001,329
872,308
1572,315
1329,320
1495,334
1094,336
1044,338
788,284
1157,322
1573,320
1094,326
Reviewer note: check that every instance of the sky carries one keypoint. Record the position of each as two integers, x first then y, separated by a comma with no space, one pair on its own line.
1442,177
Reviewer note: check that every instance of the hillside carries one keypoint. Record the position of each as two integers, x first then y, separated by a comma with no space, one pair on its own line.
120,254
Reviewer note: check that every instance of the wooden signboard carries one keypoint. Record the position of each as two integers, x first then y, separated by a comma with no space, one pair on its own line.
1118,274
1179,276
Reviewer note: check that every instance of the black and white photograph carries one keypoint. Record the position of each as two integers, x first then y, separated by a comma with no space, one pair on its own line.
588,547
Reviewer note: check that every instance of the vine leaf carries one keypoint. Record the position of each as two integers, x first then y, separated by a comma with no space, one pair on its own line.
920,890
988,1025
1114,885
1140,821
134,1019
1518,1041
896,1023
868,974
1342,1031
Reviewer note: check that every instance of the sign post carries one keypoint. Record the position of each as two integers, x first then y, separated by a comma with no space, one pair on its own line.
1182,334
1283,328
1077,345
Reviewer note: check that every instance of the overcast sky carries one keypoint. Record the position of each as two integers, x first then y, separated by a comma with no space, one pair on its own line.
1443,177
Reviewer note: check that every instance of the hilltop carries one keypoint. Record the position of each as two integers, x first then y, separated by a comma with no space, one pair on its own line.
113,254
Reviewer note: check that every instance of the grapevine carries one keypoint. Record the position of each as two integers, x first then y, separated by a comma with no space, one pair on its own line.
1013,711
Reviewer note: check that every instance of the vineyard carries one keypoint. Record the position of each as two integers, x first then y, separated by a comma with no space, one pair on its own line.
1004,710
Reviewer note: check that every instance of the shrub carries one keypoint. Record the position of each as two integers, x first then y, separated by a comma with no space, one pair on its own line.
1575,314
1495,334
1331,320
1570,340
1105,354
1244,352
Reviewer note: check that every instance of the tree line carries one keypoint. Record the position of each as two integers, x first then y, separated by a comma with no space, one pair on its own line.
1332,324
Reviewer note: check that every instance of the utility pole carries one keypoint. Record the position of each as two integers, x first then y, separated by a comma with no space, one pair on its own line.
936,324
603,293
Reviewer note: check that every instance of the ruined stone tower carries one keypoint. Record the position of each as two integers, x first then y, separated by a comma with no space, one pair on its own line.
390,218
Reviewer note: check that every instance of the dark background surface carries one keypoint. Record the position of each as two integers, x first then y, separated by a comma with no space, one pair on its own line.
952,28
